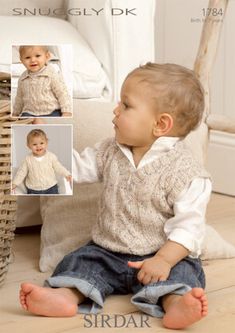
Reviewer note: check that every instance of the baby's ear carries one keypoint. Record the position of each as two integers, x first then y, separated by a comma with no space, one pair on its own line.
48,55
163,125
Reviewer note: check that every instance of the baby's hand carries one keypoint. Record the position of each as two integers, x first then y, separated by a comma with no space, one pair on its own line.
66,114
38,121
13,187
69,179
151,270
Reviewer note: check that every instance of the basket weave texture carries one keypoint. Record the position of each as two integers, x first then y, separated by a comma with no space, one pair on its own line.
7,201
5,86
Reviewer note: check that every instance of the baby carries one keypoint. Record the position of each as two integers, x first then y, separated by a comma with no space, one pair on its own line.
41,90
39,169
149,230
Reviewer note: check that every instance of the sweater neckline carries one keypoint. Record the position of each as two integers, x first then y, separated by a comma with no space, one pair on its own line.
162,161
160,147
39,157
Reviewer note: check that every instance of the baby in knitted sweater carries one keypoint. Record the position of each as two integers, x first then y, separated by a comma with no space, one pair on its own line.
41,90
38,171
148,234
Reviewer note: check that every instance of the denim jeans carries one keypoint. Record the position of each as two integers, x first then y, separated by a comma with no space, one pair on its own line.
97,273
55,113
50,190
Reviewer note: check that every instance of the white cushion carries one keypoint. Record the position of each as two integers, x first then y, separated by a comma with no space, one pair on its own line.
215,247
90,80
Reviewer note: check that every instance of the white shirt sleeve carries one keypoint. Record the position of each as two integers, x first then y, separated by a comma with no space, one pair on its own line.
187,226
85,166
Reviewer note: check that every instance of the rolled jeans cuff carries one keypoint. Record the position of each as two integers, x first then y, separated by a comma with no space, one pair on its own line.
87,289
147,299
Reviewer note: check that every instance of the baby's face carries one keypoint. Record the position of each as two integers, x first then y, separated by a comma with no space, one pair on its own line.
34,58
135,114
38,145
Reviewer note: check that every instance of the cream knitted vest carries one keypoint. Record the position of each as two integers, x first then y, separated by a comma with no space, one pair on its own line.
135,204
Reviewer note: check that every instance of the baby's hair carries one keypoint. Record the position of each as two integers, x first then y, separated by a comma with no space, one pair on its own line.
177,91
22,48
36,133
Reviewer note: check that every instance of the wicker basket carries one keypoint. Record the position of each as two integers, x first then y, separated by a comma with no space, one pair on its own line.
7,201
5,86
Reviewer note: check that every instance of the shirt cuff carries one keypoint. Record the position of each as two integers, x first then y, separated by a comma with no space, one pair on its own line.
66,108
185,238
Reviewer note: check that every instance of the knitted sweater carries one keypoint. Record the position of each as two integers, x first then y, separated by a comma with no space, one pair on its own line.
41,93
40,174
136,203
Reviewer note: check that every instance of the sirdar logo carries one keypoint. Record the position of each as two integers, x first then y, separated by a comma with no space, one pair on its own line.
116,321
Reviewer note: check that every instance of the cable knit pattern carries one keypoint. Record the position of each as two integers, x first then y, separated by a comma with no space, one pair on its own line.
41,93
136,203
40,174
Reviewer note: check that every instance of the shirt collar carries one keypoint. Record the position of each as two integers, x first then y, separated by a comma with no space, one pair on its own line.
159,147
43,71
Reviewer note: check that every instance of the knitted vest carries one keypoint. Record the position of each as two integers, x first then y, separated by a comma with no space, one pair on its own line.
135,204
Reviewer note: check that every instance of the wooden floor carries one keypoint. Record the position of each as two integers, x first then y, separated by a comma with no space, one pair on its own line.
220,289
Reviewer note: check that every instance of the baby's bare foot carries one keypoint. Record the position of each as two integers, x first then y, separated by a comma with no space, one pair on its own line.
186,310
59,302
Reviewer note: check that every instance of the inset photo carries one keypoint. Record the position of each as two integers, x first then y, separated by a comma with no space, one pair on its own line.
42,80
41,160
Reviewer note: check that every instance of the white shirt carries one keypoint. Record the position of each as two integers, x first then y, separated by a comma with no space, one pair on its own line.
187,226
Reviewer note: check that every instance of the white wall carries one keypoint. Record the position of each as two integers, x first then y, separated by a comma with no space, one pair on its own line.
221,162
177,37
178,30
223,80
